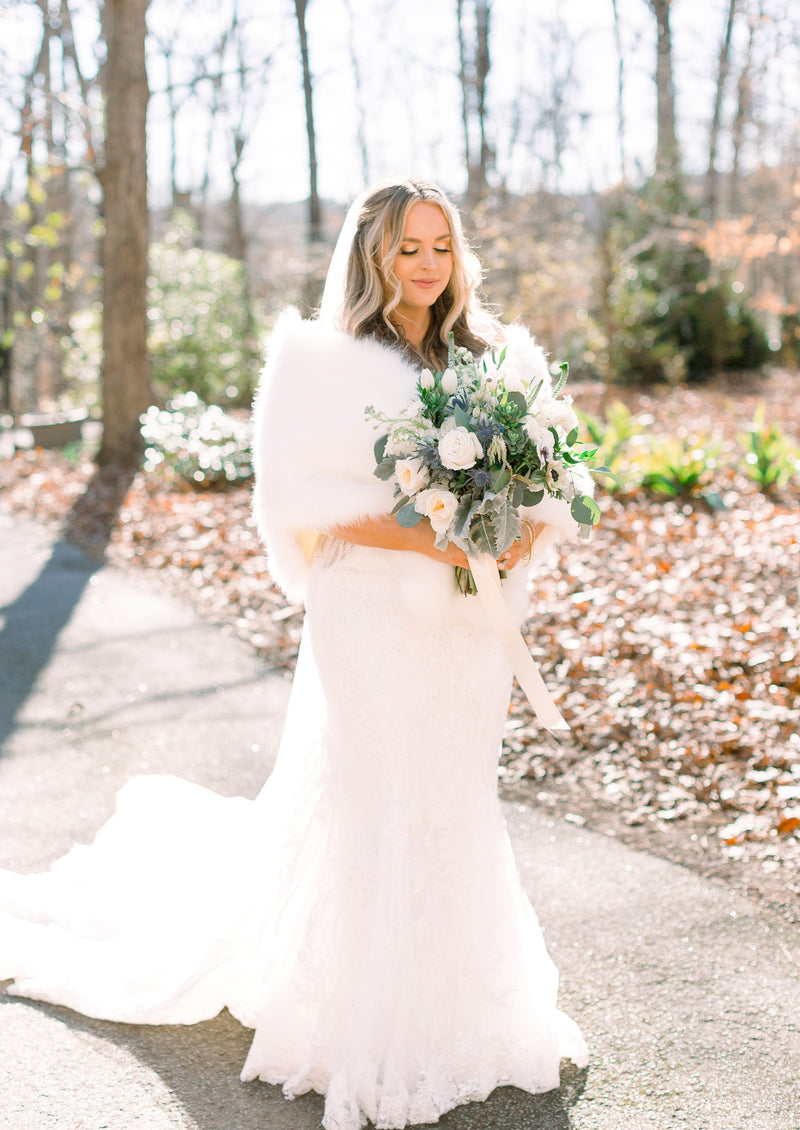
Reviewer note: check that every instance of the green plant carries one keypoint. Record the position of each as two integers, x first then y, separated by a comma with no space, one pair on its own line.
681,466
202,336
770,459
197,442
618,438
667,313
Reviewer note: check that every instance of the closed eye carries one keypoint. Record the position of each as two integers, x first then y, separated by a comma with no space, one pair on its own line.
440,250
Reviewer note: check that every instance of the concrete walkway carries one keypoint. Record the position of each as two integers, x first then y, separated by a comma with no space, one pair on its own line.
688,995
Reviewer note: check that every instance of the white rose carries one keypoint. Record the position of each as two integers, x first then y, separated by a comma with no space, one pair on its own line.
438,506
449,381
558,414
411,475
459,449
426,379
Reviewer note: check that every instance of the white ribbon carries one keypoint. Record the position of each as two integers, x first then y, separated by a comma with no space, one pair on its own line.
487,582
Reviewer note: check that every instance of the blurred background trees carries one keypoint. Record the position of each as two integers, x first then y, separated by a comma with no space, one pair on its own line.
629,168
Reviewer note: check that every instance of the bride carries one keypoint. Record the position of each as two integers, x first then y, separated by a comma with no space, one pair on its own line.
363,914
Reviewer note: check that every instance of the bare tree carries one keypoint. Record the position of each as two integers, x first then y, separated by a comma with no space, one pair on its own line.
126,374
623,164
474,66
712,174
668,161
315,233
744,106
361,113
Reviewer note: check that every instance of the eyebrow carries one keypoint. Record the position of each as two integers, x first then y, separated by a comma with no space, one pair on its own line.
437,239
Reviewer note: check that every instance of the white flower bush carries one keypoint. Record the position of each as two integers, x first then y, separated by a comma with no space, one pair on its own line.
198,442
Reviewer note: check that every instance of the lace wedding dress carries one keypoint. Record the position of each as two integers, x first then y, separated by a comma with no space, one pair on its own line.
363,914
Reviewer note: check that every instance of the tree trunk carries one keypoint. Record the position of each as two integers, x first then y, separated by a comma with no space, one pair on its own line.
464,80
712,175
482,65
315,234
361,113
623,163
668,165
474,66
744,98
126,374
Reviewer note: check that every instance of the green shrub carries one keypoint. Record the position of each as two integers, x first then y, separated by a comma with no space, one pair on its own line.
670,317
201,333
197,442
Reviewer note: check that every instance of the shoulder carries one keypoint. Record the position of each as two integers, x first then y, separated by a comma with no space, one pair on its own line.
311,351
319,375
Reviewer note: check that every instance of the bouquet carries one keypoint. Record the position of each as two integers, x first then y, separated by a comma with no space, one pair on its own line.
473,447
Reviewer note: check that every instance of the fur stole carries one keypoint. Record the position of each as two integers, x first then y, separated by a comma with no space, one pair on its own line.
313,448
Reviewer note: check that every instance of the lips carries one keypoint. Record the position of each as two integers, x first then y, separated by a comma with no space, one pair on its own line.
426,283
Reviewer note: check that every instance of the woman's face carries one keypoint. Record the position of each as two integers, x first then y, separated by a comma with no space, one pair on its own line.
424,262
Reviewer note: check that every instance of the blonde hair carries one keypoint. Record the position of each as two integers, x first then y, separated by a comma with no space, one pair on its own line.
373,290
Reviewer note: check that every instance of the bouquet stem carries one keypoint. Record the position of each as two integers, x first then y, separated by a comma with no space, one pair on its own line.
465,582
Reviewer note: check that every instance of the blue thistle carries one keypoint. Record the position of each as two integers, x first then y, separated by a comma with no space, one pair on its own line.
481,477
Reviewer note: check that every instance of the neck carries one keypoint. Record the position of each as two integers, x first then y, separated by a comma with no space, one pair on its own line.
414,326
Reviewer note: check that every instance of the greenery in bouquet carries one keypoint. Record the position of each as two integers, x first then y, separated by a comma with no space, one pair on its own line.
475,446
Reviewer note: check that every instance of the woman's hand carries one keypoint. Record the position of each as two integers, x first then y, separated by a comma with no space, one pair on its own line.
522,548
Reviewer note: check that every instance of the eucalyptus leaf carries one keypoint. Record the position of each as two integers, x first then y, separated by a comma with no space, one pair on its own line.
380,448
532,497
572,437
462,418
408,517
585,510
385,470
401,502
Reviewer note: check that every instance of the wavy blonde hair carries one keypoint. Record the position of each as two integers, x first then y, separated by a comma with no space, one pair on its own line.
373,290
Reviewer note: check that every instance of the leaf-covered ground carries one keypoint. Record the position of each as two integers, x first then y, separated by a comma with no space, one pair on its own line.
671,639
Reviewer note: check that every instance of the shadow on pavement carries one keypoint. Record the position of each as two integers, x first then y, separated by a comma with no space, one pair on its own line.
200,1065
35,619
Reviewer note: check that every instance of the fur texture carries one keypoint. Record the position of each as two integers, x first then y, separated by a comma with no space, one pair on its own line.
313,448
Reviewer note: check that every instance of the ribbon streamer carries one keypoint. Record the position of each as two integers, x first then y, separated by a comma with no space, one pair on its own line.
487,582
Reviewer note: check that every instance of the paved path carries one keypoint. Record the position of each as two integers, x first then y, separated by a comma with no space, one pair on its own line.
689,995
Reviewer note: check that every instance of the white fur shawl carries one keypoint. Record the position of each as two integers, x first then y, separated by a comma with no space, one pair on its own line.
313,448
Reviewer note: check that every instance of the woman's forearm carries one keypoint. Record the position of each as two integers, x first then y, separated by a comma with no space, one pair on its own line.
387,533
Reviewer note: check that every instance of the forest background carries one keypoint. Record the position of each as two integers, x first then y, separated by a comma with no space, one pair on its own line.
173,173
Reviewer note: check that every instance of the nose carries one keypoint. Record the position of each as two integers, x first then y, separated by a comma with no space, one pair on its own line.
428,259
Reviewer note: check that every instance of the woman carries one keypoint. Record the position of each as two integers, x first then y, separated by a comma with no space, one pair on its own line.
363,914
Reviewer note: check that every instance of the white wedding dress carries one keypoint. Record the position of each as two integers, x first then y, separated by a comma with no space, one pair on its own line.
363,914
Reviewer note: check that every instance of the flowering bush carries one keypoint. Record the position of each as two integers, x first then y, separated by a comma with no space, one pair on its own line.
475,445
198,442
